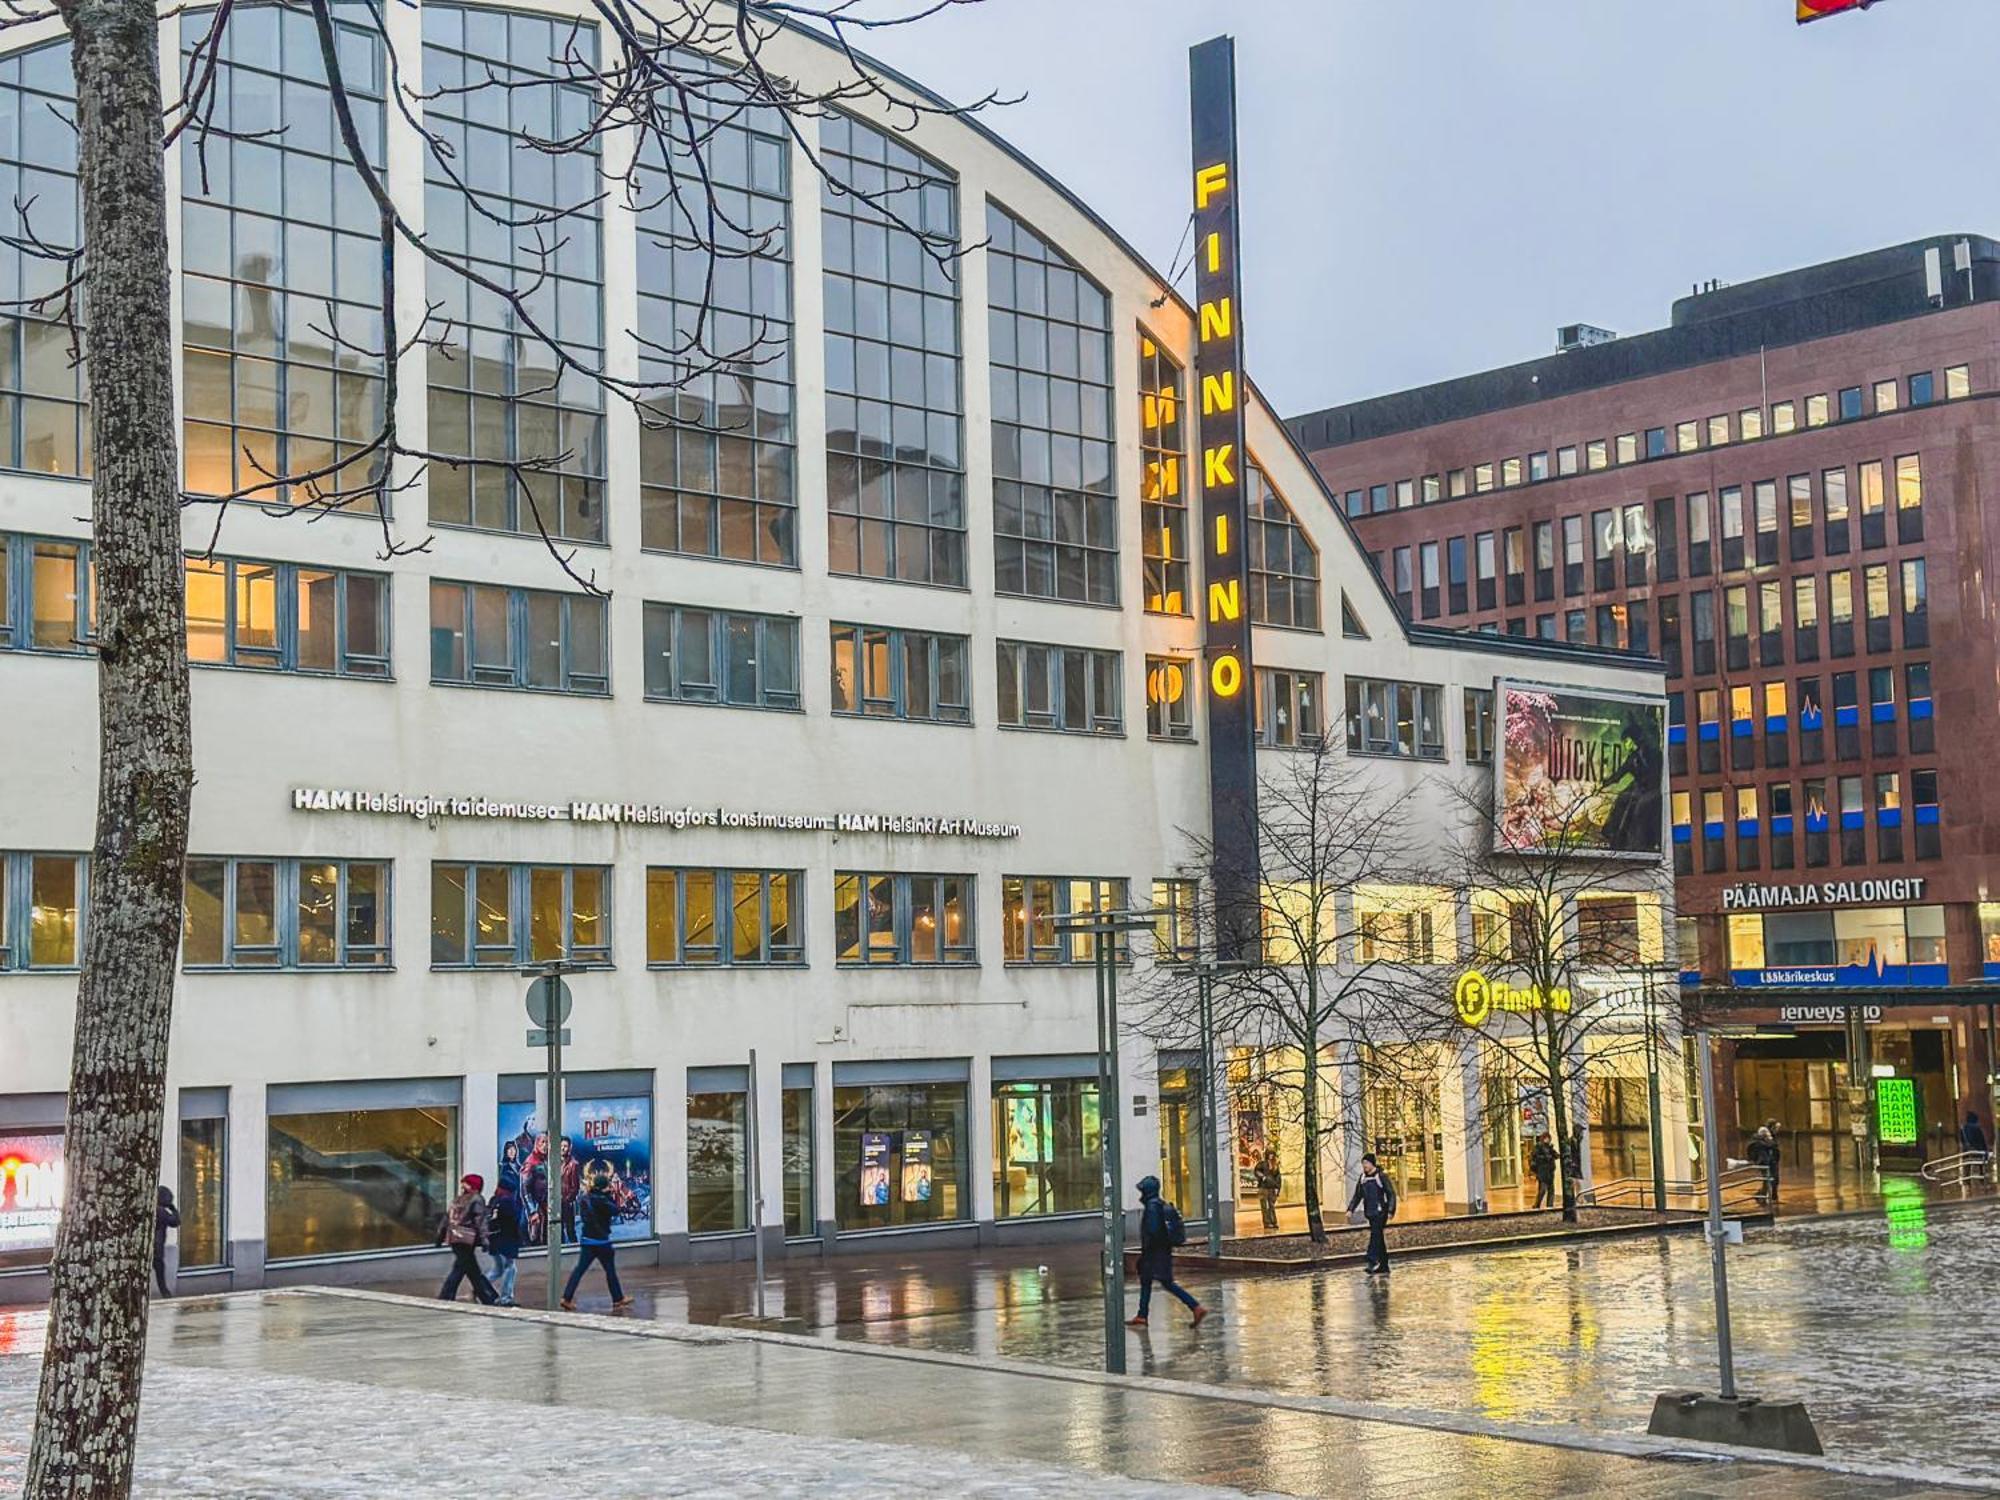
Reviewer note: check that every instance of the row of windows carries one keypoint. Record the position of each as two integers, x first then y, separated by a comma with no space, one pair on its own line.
1767,718
1858,938
1630,546
1894,608
1781,827
1687,436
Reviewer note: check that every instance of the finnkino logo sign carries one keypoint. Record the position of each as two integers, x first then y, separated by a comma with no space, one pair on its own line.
1475,998
433,807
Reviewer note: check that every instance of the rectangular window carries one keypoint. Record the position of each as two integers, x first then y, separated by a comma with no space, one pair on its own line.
1456,599
1853,822
1873,501
1736,625
1885,395
508,916
1047,1153
1403,583
1288,708
1406,493
1713,848
1805,618
1701,632
1708,729
285,914
1923,390
1482,478
47,587
1433,489
1637,544
1850,406
283,617
1818,410
1918,705
884,673
1731,502
42,907
1176,930
1764,511
1170,697
1888,816
1718,430
1656,442
1750,423
1784,417
1572,555
1427,577
1479,726
1038,918
1065,688
1846,716
903,920
895,463
1924,812
1606,534
1628,447
1749,828
699,918
1699,520
696,655
1833,493
1687,436
1882,711
1783,846
1485,569
1597,454
1875,591
1840,612
1545,561
1514,555
325,1172
1957,382
902,1153
1818,822
1566,460
1378,499
1458,482
1538,467
1916,603
1395,718
1667,609
1163,507
1909,498
487,635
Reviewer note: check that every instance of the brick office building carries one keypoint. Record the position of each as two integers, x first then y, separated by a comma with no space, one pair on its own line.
1784,495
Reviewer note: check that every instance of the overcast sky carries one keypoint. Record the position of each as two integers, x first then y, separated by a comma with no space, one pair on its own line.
1431,186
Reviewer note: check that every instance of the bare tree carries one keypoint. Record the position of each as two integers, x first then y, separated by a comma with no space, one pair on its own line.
1324,827
641,93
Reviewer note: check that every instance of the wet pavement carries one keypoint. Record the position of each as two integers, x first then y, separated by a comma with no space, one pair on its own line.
344,1395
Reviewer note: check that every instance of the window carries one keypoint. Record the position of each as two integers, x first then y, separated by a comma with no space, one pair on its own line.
1047,1153
1628,447
1750,423
1284,566
326,1167
509,400
1055,503
1701,631
42,904
1764,507
1572,554
1784,417
897,919
1813,795
1667,608
1736,625
1033,909
1566,460
1873,497
1357,502
1428,576
1482,478
1916,604
1378,499
1782,846
506,916
1718,430
1545,561
1606,535
1485,564
706,918
1458,482
1850,406
1812,722
1479,726
1176,934
1596,455
1875,591
1749,830
1432,490
1708,728
1403,581
1712,857
1921,710
1395,718
1288,711
1454,572
895,469
1607,930
1731,500
1882,710
1510,472
1393,925
48,590
1840,612
1169,697
1924,813
1888,816
43,424
1957,382
490,636
1885,395
887,1134
1698,522
1067,688
1818,413
1687,436
696,655
1846,717
1656,443
285,617
1163,508
718,436
1805,618
885,673
1833,492
1406,493
1923,390
1771,624
1515,561
1798,498
1538,467
1853,831
285,914
1637,544
1909,498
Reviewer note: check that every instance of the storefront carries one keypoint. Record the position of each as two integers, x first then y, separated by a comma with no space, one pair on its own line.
718,1150
899,1143
1266,1092
1183,1123
358,1168
607,1135
1047,1139
797,1116
31,1178
202,1243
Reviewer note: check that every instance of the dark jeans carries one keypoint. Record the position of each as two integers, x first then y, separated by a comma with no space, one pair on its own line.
1545,1191
160,1269
1268,1201
603,1254
1167,1283
1378,1248
465,1267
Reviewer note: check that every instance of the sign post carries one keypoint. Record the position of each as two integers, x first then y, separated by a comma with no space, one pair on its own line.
755,1143
549,1003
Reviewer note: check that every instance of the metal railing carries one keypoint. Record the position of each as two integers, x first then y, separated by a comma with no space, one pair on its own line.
1741,1186
1956,1171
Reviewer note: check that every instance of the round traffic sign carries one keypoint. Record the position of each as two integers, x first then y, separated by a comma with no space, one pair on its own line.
548,995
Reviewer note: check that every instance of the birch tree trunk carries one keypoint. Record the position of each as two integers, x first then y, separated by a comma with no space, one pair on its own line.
88,1406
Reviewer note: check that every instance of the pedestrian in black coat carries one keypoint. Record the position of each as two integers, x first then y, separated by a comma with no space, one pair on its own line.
1375,1196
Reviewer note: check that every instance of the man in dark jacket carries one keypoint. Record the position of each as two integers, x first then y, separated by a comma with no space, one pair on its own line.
1971,1135
596,1210
1156,1254
464,1230
1542,1162
165,1217
1375,1196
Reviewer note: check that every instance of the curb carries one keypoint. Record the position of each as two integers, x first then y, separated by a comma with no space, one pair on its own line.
1622,1445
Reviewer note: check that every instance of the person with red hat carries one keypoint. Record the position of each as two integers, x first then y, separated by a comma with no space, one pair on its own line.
464,1230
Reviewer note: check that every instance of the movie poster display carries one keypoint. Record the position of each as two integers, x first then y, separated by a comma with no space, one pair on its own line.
1578,772
916,1166
31,1195
874,1169
608,1137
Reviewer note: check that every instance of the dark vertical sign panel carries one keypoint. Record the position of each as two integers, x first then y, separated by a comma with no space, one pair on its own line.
1219,388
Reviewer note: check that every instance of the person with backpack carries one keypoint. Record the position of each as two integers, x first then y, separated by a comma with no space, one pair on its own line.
1161,1230
1542,1162
505,1228
1375,1196
464,1230
1270,1181
596,1210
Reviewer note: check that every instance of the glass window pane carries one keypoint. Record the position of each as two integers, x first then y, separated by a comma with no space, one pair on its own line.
257,609
746,916
545,914
493,915
448,934
256,926
325,1180
207,598
318,594
590,923
662,917
367,913
201,922
701,942
545,612
319,913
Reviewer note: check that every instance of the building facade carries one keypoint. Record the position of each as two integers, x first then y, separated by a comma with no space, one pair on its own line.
1782,495
888,672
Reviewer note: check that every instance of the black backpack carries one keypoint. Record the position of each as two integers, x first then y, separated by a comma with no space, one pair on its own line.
1174,1225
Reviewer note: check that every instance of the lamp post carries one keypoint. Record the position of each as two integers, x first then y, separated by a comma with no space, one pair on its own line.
1649,981
549,1007
1103,925
1205,970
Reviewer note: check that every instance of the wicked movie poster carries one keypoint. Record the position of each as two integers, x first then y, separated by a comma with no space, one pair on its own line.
1579,773
611,1137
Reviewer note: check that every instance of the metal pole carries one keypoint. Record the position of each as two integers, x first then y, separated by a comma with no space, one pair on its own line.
1211,1186
552,1194
1724,1351
1653,1097
1112,1119
755,1144
1107,1145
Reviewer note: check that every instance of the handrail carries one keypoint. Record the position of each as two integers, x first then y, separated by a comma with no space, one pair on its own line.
1954,1170
1734,1182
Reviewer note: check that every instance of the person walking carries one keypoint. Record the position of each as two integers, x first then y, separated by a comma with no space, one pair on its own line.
505,1228
1161,1228
1542,1162
1763,1155
1270,1181
595,1211
1972,1137
165,1217
1375,1196
464,1230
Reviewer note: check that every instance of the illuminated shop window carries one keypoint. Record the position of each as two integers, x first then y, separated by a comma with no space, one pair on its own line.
502,396
505,916
1055,508
1162,489
717,441
285,914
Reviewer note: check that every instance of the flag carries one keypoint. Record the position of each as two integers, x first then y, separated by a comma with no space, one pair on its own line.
1815,10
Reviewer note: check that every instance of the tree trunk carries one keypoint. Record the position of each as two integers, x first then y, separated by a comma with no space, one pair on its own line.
1559,1122
88,1406
1315,1216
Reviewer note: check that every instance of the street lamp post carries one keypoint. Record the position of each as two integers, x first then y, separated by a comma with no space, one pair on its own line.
548,1008
1206,969
1653,1090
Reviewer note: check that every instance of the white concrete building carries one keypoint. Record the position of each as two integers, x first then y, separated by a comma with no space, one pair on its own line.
576,770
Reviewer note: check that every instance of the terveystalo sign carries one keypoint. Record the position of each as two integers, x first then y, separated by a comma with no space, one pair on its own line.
1232,754
1475,998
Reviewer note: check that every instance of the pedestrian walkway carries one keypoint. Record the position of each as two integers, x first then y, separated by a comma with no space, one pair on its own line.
349,1394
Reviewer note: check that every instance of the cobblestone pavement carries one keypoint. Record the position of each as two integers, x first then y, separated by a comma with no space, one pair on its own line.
339,1396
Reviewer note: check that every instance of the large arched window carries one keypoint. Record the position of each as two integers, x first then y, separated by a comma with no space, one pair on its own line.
42,417
1163,506
1284,564
528,219
281,265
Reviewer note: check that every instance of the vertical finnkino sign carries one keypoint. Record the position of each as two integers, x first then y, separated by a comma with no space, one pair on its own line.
1218,372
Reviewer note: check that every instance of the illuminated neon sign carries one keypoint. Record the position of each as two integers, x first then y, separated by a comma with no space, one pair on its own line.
31,1190
1475,998
1896,1111
1220,394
